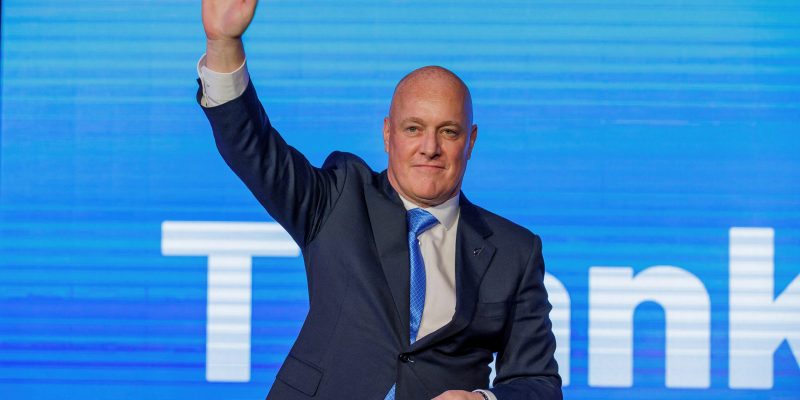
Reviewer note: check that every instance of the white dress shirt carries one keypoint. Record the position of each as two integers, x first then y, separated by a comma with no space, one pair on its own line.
438,247
438,244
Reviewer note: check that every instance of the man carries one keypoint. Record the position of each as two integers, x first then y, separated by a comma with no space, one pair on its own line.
411,287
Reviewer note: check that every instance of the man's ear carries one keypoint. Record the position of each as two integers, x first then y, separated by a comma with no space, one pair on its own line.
386,133
473,135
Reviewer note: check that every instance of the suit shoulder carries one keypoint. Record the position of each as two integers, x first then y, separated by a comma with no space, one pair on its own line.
507,230
346,161
352,171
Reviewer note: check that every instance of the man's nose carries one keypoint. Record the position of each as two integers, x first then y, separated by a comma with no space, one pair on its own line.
430,144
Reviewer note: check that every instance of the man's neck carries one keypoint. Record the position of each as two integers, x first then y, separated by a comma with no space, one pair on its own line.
446,213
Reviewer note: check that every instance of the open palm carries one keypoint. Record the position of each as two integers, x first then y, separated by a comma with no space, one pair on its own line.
227,19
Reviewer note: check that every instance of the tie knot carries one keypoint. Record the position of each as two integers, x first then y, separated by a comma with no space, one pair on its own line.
419,221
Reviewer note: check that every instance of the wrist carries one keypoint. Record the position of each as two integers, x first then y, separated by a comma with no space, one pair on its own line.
224,55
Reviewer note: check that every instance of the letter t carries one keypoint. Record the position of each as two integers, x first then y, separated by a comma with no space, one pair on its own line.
230,247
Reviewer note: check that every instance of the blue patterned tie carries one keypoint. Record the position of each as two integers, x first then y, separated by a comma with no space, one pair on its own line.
419,221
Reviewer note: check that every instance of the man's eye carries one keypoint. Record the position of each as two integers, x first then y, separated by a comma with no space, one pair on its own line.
451,132
412,129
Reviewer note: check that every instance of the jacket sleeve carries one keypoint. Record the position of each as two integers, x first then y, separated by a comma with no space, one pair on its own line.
526,367
296,194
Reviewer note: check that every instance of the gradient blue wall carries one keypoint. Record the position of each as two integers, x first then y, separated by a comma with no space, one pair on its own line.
625,133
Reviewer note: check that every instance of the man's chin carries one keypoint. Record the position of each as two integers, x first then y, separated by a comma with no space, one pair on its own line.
430,199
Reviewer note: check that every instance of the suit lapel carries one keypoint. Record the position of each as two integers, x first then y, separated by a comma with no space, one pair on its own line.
388,222
473,254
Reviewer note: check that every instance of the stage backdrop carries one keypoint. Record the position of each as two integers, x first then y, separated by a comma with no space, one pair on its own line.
654,145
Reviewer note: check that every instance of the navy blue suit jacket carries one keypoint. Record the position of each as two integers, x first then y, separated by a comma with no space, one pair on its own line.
351,226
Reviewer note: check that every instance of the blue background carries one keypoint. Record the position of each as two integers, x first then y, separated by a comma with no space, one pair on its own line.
626,133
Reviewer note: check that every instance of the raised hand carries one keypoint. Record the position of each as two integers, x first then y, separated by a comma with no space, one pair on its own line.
225,21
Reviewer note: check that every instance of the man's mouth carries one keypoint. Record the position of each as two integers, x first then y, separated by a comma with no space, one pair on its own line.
429,166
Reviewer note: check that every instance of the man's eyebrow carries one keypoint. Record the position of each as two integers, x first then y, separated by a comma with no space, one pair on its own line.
413,119
421,122
452,123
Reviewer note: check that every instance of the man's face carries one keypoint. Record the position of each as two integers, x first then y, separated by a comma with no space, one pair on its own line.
429,137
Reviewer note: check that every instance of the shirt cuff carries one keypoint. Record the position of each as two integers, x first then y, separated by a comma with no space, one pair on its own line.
486,393
220,88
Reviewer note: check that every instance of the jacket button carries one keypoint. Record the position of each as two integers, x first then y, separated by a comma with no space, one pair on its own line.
404,357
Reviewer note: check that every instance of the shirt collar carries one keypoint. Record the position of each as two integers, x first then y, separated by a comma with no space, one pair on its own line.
446,213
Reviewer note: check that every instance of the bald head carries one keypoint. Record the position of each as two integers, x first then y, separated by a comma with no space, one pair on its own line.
434,80
429,135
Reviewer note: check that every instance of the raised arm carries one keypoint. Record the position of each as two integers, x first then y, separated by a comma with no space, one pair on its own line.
295,193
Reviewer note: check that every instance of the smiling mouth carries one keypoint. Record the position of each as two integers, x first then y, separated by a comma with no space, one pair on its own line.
429,166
